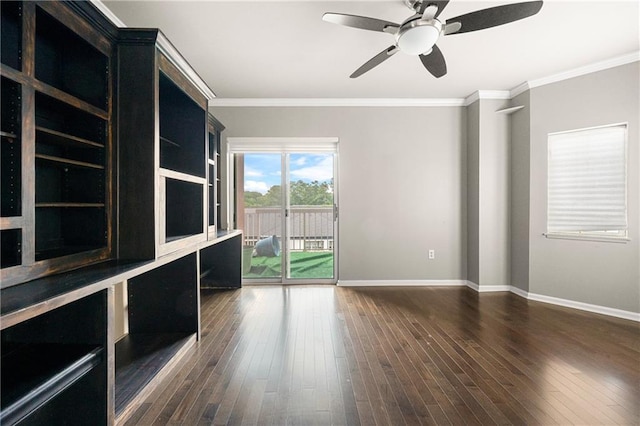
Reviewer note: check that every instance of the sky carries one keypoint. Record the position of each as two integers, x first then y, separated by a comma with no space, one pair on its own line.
262,171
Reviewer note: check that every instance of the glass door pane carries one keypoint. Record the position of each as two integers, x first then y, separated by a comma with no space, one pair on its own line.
310,216
259,212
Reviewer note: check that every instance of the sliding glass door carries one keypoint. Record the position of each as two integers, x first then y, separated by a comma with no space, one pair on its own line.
260,214
310,213
286,205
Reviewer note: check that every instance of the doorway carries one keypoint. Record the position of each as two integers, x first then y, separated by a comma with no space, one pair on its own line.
286,205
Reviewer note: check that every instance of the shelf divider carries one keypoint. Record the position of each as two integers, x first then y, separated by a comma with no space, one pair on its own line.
66,138
169,142
8,135
69,162
50,205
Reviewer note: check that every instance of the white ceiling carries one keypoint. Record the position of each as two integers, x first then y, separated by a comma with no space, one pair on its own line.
283,49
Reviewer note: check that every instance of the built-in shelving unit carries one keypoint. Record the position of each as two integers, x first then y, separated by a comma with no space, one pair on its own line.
63,257
214,183
66,61
11,27
173,129
163,320
11,171
56,121
55,365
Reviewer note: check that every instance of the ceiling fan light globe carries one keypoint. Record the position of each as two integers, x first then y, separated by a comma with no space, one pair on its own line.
418,39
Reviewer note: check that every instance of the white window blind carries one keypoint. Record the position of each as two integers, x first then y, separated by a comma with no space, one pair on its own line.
587,178
280,145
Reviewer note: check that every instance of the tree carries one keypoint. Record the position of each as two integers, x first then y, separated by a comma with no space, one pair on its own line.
302,194
311,194
273,197
252,199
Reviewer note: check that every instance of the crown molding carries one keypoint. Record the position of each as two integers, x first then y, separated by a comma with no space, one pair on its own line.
167,48
587,69
576,72
175,57
108,13
486,94
519,89
335,102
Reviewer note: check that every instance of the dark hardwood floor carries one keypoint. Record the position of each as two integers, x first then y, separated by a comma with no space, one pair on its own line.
321,355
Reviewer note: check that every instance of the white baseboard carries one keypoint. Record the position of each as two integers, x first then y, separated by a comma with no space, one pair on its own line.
402,283
597,309
520,292
487,288
618,313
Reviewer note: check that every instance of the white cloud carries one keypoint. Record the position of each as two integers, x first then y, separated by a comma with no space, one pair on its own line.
320,172
300,161
256,186
252,172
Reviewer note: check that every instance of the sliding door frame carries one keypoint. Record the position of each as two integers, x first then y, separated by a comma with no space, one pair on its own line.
285,147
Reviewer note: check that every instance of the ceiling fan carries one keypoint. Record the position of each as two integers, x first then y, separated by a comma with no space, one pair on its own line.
418,34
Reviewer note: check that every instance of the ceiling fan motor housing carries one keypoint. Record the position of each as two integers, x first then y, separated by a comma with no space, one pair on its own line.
418,36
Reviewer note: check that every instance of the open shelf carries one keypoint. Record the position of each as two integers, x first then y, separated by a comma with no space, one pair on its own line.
8,135
85,205
11,241
59,181
180,194
54,365
163,318
81,71
213,175
10,148
45,135
70,186
212,195
61,231
182,130
55,116
220,264
169,143
11,27
68,162
139,359
33,374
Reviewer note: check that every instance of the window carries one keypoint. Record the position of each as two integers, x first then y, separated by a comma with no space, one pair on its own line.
587,183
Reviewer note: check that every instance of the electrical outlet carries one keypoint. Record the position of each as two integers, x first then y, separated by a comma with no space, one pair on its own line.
432,254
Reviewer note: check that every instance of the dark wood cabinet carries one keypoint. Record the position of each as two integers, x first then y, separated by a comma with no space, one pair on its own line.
56,140
109,213
55,365
214,132
163,149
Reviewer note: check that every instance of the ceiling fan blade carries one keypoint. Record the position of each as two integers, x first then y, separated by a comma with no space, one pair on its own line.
362,22
494,16
441,4
434,62
375,61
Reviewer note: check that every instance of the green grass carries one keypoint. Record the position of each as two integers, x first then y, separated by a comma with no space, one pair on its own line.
304,265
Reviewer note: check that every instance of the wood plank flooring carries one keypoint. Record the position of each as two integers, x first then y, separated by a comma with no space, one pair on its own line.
325,355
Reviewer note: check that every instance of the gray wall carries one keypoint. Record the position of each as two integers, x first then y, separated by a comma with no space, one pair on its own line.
414,179
401,185
488,244
600,273
494,194
473,192
519,189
